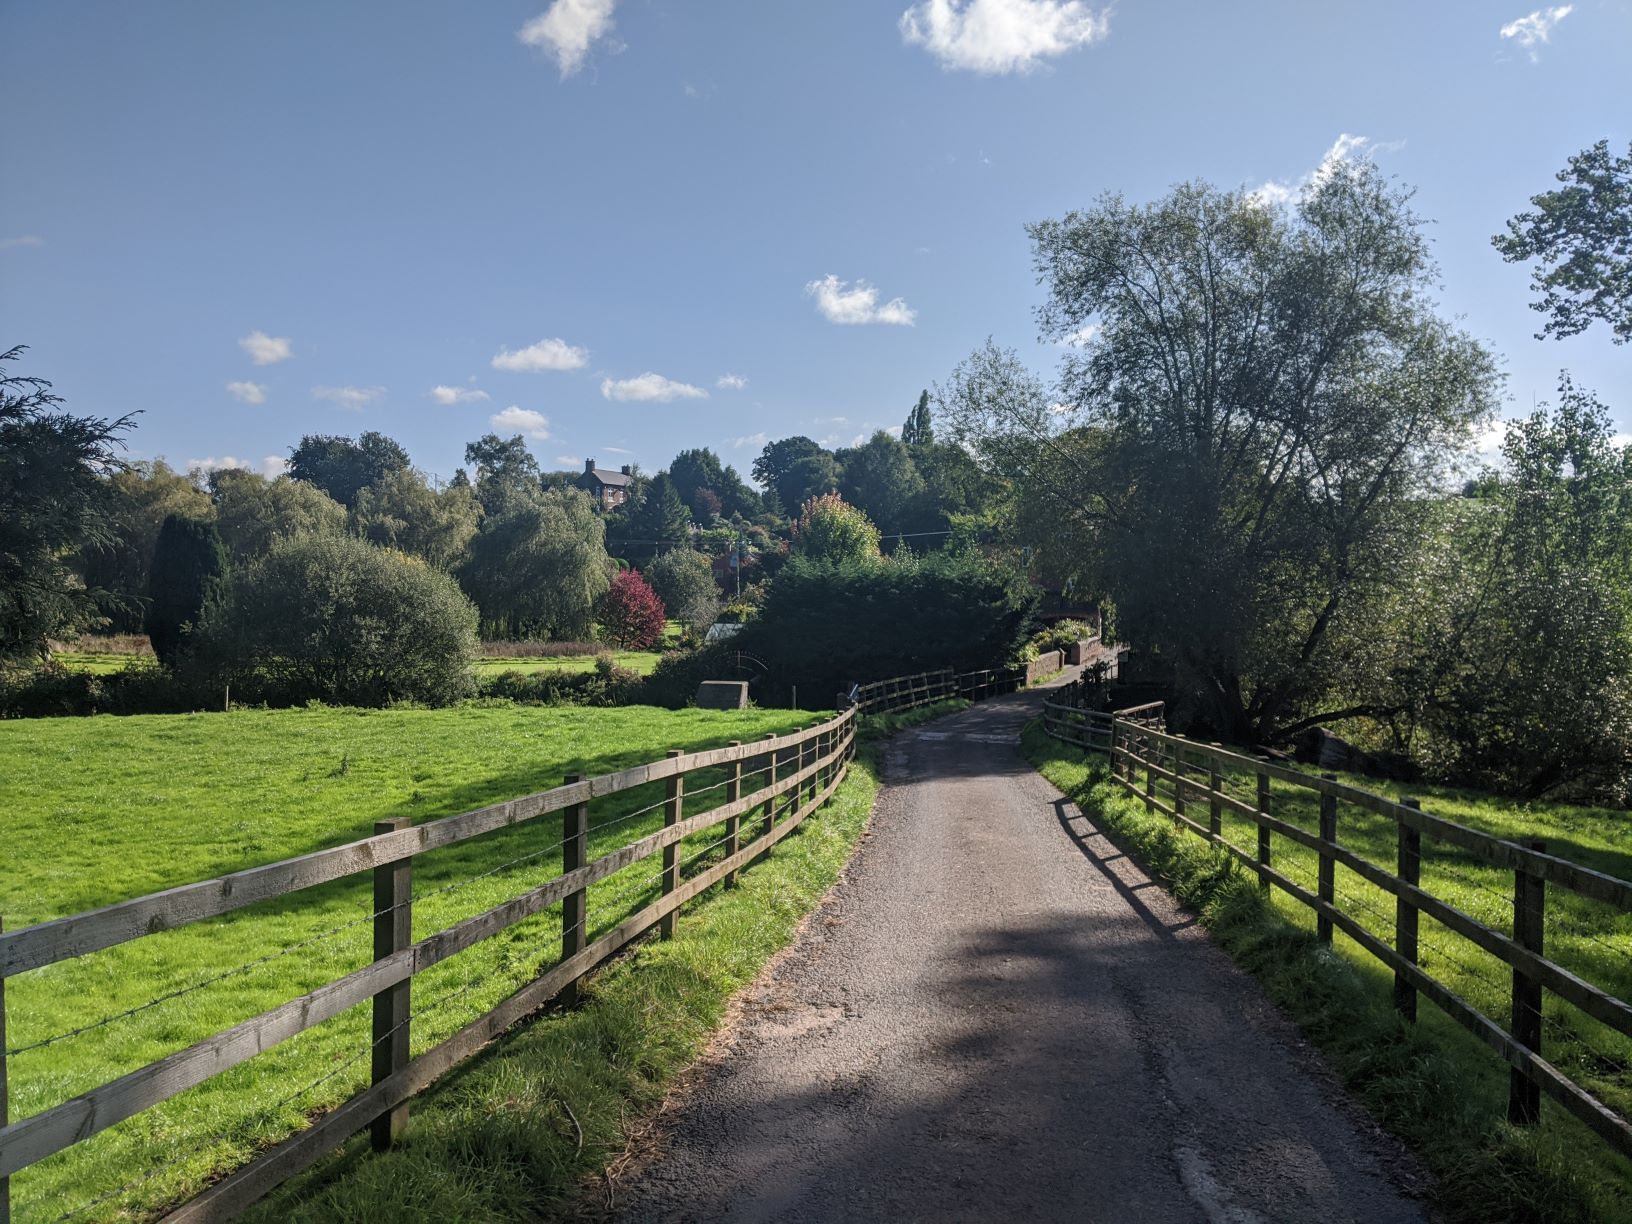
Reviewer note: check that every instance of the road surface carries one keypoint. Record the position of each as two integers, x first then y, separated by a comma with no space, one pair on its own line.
996,1016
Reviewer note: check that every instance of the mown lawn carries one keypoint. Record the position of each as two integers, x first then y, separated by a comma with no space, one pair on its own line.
1435,1085
640,661
94,810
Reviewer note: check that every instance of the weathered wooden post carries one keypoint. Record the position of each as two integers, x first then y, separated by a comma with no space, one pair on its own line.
1327,867
770,781
1215,787
675,796
733,792
1149,747
1263,832
5,1095
574,906
1177,757
1408,866
393,931
1529,920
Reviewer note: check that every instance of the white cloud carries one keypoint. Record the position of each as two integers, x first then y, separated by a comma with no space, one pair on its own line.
756,440
1536,30
551,354
997,36
348,397
617,450
457,395
1082,337
567,30
523,421
731,382
271,467
1487,443
22,240
248,392
650,388
566,461
1345,150
264,349
839,302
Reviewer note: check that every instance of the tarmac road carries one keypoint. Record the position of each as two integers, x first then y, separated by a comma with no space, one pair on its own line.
996,1016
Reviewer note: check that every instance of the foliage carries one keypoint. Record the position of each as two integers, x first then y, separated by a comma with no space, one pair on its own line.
139,498
538,565
826,625
661,516
505,469
402,510
253,513
918,431
335,619
53,503
681,576
831,529
631,614
604,683
1241,472
187,570
1059,636
881,479
341,467
796,469
1581,239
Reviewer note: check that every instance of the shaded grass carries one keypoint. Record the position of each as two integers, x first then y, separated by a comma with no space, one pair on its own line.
528,1127
95,810
1432,1084
643,662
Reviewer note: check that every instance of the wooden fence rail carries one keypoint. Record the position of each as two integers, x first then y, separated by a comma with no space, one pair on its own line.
800,771
1171,774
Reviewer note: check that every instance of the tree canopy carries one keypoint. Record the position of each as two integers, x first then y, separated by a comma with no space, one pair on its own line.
341,467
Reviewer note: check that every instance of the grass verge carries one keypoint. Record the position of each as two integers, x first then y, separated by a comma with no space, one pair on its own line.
528,1127
1432,1084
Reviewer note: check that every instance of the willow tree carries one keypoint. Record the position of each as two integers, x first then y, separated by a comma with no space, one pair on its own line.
1254,405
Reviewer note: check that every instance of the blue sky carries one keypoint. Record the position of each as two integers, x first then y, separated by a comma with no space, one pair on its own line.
253,221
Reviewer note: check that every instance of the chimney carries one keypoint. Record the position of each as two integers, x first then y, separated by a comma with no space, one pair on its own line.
625,470
589,465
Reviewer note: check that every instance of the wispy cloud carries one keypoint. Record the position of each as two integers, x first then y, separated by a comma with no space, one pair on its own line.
998,36
272,466
348,397
649,388
266,350
457,395
22,240
755,440
1536,30
567,30
247,392
1345,149
1082,337
551,354
841,302
731,382
523,421
617,450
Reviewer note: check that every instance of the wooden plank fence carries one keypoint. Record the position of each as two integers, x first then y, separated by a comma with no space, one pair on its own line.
1174,775
800,772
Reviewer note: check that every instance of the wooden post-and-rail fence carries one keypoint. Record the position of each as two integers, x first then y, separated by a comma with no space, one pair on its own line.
793,775
1174,775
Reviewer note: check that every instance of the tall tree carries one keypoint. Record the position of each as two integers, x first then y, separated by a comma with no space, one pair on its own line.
185,578
341,467
53,503
917,431
503,466
1237,459
1581,239
881,478
253,513
661,516
696,469
140,498
539,566
402,510
796,469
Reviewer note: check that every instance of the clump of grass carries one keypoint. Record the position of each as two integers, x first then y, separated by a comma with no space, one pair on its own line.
1430,1084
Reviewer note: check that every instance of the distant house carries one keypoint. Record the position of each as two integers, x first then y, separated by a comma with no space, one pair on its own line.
609,489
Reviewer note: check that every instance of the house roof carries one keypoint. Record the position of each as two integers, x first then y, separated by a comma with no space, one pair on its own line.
604,477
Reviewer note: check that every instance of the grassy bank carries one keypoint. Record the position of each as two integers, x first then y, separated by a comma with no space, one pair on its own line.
1432,1084
94,810
642,662
529,1128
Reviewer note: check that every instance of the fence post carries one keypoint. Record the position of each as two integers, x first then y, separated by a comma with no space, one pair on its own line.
1263,833
770,781
574,906
1529,914
393,931
675,794
733,792
1149,746
1327,887
1177,759
5,1096
1408,867
1215,785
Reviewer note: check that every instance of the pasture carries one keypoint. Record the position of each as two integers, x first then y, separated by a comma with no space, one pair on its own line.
100,809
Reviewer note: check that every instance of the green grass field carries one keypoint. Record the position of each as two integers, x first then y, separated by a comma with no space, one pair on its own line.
1437,1086
94,810
639,661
